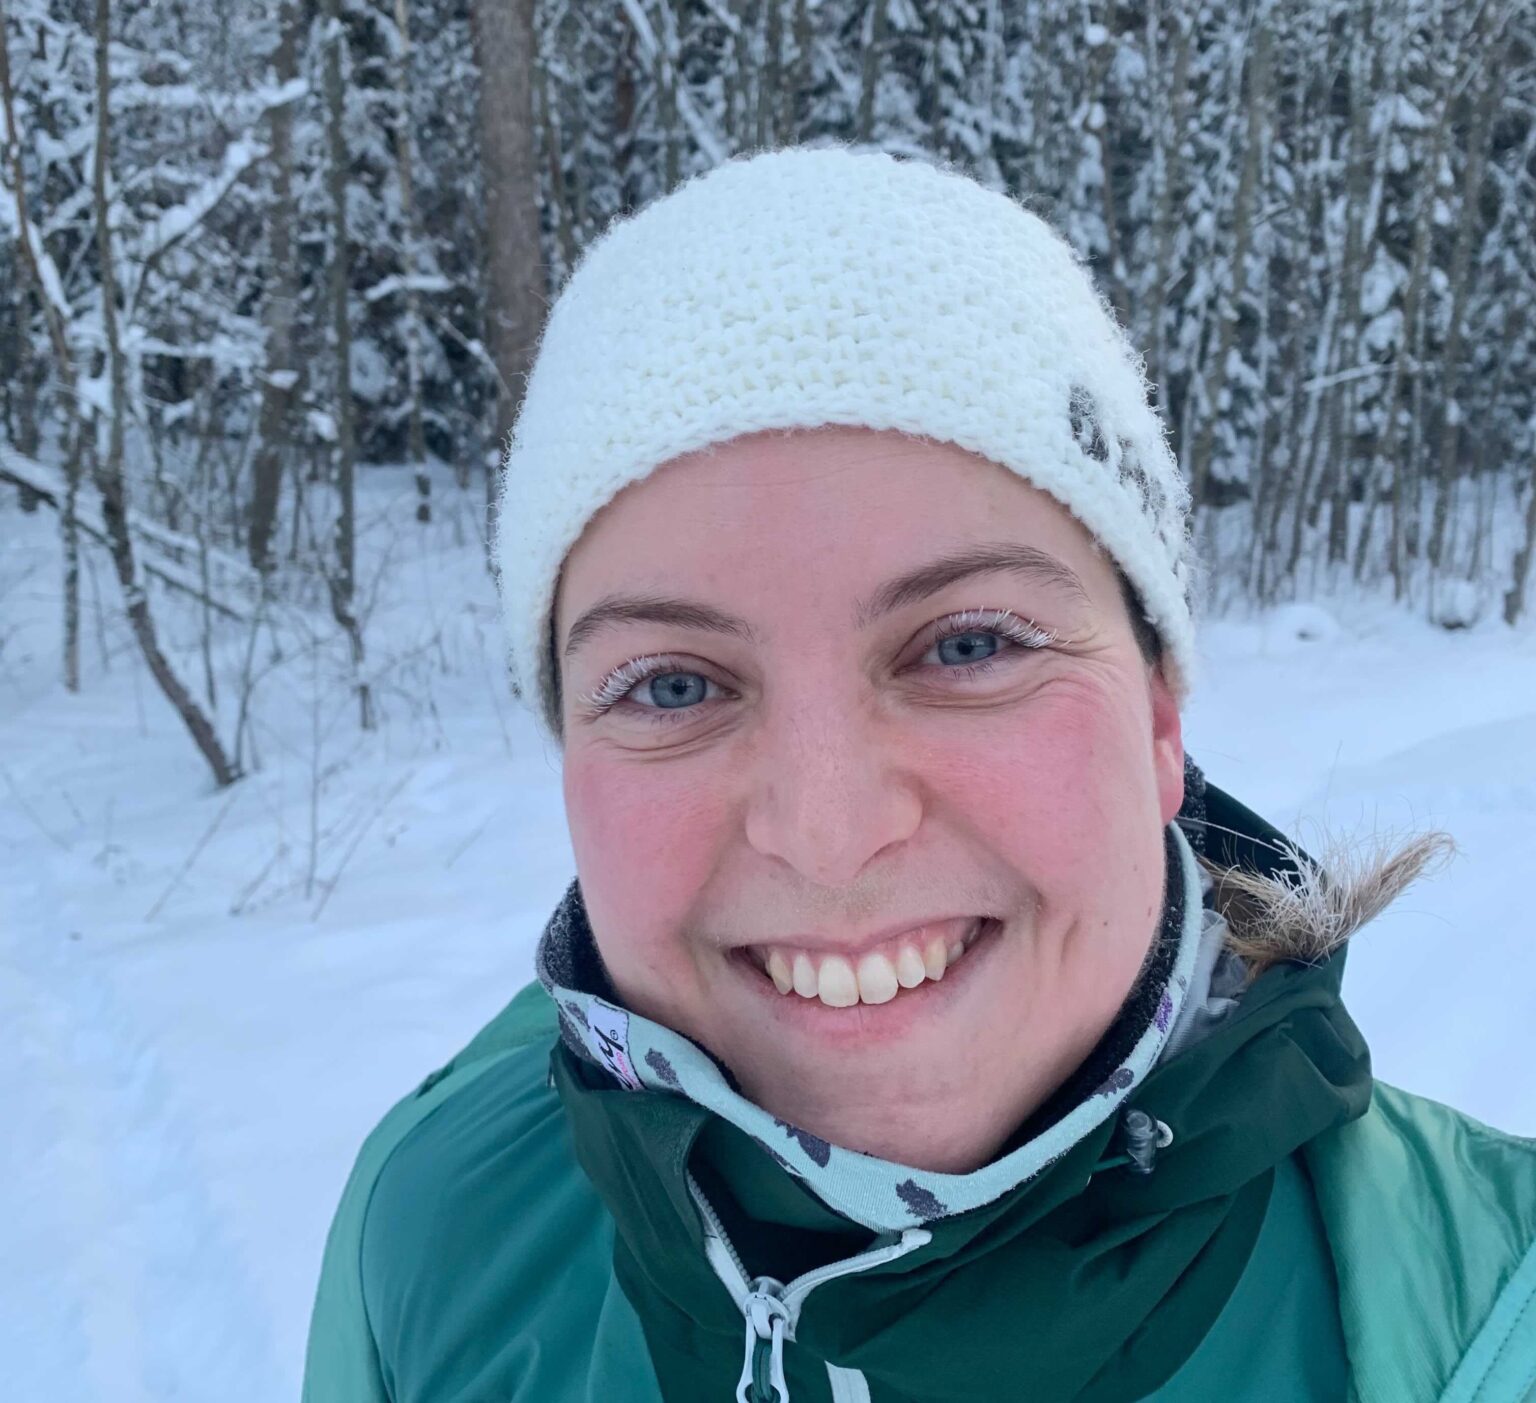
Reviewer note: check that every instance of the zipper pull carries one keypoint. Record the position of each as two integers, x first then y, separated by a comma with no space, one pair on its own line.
762,1367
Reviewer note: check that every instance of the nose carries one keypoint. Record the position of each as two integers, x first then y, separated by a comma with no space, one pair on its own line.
828,792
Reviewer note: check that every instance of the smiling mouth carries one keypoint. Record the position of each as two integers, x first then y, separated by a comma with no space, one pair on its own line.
876,976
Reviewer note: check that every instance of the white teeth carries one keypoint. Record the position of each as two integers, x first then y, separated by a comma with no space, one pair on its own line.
877,979
874,978
909,968
835,983
778,971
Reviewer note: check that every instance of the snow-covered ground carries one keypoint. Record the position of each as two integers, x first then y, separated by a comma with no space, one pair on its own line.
208,999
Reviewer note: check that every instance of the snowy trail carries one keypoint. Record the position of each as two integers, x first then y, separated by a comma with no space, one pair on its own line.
49,1143
139,1300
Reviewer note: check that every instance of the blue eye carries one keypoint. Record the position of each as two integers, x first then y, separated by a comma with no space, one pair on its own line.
975,637
670,691
972,646
654,687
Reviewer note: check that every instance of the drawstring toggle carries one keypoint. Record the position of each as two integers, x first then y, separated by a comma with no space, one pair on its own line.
762,1369
1144,1137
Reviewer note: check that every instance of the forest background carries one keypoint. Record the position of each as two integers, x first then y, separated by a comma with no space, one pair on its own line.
243,248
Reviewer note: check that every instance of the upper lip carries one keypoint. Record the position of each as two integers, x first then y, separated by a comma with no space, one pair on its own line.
843,945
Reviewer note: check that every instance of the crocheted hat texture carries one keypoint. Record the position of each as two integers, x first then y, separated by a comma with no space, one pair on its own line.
802,287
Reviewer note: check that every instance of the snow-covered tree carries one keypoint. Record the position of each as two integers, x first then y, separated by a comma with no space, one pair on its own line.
1317,220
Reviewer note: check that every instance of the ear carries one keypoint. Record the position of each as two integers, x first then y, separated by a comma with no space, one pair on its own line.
1167,745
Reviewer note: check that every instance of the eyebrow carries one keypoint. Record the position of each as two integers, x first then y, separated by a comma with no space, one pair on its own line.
1027,562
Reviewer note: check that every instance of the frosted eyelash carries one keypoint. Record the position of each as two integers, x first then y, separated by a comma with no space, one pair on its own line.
1003,622
612,689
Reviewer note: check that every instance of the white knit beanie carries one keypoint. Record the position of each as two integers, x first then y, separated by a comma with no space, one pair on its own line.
810,286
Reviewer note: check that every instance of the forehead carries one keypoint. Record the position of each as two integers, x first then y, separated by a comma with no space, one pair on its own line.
791,514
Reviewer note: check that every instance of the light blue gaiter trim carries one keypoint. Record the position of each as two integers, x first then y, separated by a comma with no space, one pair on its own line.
882,1196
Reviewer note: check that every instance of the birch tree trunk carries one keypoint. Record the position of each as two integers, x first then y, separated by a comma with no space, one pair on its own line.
554,160
1242,239
280,381
735,88
110,477
31,369
405,142
1098,108
797,95
869,77
341,576
63,365
668,54
770,82
1389,441
625,104
1448,471
1340,428
1168,130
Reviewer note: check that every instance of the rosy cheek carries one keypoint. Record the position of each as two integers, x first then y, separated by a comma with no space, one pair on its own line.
644,845
1049,784
617,823
589,815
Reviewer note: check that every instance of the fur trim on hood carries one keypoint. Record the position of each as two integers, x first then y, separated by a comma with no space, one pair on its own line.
1307,908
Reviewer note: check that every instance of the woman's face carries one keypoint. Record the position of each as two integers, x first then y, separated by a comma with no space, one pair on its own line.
866,780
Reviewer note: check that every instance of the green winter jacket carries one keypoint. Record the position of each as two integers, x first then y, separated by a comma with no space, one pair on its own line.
505,1220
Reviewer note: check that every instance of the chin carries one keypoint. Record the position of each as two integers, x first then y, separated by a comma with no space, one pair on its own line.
933,1101
933,1127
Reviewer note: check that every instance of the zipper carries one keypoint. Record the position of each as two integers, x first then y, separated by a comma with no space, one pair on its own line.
770,1308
